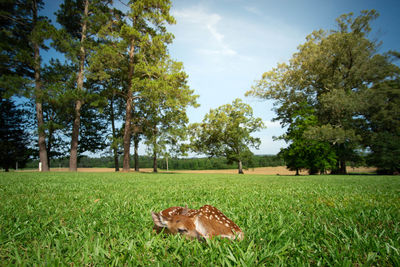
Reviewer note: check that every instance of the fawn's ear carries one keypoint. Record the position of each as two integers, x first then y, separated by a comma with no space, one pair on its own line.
184,210
159,220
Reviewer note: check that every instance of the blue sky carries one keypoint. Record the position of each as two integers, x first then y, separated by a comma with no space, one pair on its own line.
226,45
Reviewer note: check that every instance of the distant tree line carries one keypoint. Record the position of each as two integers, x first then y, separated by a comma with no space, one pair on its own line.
214,163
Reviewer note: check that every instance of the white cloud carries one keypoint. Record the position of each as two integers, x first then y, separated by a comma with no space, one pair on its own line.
199,20
225,51
253,10
211,26
272,124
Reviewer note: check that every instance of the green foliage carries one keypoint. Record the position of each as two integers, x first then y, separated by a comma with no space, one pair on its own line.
133,53
317,156
332,73
111,56
383,124
59,94
226,131
385,154
104,219
14,140
163,104
19,33
58,82
174,163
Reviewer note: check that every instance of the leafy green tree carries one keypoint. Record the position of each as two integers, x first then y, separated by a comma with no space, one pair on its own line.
383,124
107,69
304,153
145,37
165,99
14,139
331,72
226,131
23,35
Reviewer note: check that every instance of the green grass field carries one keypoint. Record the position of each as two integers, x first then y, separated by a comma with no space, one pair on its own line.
104,219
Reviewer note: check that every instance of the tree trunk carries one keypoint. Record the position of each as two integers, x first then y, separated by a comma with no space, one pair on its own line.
312,171
73,160
128,110
297,172
166,160
155,162
342,169
42,137
336,169
136,155
127,134
240,168
115,148
116,162
38,99
49,144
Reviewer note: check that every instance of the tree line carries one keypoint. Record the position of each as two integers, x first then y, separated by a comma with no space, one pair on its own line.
205,163
116,69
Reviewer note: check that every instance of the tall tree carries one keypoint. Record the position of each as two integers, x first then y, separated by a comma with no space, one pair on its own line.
146,38
36,41
133,42
226,131
107,68
22,36
81,21
73,160
331,72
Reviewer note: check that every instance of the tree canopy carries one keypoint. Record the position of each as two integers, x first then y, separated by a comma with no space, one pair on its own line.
226,131
333,73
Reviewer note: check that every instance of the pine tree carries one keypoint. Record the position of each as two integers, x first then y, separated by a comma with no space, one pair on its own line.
81,21
22,36
13,138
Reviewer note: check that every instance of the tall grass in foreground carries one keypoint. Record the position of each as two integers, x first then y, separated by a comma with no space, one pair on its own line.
104,219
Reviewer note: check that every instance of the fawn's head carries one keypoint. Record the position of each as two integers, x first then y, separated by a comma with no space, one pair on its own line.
177,224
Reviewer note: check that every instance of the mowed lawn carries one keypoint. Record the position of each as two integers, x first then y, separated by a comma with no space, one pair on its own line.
104,219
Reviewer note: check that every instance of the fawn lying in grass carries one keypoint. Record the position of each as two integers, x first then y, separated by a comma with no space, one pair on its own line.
205,222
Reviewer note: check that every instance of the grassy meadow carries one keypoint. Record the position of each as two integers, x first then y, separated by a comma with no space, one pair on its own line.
104,219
